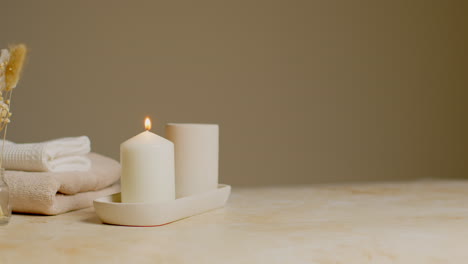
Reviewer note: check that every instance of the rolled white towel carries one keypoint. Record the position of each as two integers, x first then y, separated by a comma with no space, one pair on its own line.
63,154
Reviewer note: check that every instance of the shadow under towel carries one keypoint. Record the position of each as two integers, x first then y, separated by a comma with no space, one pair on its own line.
52,193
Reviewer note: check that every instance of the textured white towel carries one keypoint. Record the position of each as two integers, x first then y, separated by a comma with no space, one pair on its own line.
63,154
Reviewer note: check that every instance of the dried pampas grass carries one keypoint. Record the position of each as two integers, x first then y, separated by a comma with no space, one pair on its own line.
11,65
15,66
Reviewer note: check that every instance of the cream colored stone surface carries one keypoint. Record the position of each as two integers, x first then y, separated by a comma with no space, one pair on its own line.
413,222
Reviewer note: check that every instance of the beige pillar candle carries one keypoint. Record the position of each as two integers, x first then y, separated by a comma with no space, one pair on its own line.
147,168
196,157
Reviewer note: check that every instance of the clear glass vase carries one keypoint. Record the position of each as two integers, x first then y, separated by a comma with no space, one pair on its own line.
5,208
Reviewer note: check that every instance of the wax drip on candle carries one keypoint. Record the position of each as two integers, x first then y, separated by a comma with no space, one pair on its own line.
147,123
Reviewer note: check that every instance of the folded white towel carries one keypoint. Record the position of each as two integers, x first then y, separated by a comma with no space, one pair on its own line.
64,154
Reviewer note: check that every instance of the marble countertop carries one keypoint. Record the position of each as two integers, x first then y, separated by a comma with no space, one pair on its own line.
409,222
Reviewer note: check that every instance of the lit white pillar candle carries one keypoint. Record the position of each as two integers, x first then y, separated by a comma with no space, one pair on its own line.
196,157
147,168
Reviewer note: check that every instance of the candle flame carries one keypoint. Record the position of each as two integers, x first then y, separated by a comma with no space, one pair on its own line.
147,123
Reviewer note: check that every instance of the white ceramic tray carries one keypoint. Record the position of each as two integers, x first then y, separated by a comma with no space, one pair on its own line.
111,211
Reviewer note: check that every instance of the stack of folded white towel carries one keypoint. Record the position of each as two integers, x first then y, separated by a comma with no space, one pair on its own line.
57,176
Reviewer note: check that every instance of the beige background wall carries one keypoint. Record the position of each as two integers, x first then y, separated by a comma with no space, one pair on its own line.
304,91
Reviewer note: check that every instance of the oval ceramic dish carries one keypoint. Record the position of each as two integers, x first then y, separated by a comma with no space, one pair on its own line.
111,211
